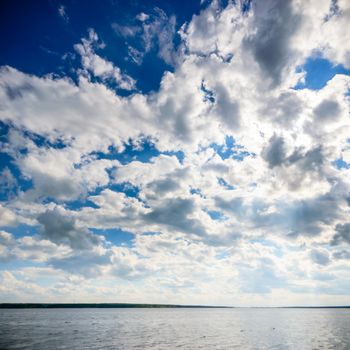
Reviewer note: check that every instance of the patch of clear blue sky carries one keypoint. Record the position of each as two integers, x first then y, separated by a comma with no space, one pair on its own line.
18,264
341,164
209,95
20,230
216,215
223,183
127,188
117,236
196,191
318,72
230,149
143,152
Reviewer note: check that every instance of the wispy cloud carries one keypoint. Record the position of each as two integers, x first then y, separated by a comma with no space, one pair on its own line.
62,12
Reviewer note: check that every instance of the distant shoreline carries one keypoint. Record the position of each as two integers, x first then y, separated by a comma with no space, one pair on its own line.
131,305
97,305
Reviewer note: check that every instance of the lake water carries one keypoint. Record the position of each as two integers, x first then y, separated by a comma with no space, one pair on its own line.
175,329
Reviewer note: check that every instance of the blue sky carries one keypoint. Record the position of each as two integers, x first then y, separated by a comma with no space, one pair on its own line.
167,152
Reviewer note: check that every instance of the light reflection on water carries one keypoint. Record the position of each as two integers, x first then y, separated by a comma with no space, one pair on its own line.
175,329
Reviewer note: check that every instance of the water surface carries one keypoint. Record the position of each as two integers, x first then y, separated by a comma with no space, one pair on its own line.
175,329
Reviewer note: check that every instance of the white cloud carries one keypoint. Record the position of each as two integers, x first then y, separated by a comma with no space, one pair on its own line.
98,66
153,31
62,12
7,217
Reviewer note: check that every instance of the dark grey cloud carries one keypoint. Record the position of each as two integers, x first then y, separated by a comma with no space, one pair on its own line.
312,160
275,152
320,257
327,110
276,23
234,205
46,185
8,183
283,110
86,263
334,10
131,270
178,124
342,234
309,163
216,167
63,229
223,240
292,219
163,186
227,109
174,213
166,184
298,218
306,217
342,255
15,92
304,161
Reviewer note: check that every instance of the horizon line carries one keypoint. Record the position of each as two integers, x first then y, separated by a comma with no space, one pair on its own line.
49,305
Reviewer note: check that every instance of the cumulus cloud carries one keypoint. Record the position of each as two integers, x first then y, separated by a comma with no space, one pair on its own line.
275,23
274,153
175,213
62,229
7,217
342,234
63,174
343,254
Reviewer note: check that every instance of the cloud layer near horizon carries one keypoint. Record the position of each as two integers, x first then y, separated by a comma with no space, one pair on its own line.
230,182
